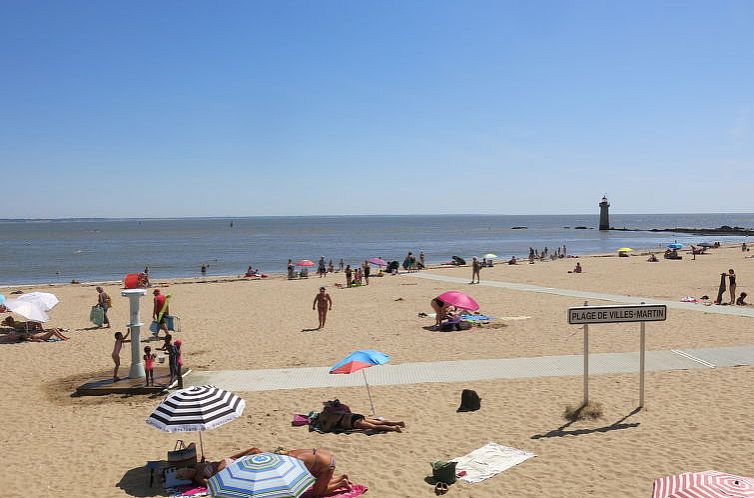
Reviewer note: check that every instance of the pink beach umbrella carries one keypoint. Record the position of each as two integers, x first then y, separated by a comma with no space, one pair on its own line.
459,300
304,262
378,261
708,484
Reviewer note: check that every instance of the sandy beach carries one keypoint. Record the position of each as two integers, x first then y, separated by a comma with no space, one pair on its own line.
694,420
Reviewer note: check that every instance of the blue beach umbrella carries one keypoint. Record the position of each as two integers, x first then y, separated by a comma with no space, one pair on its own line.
359,360
2,299
265,475
675,245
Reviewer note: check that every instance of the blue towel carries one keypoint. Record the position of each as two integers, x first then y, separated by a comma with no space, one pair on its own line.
476,318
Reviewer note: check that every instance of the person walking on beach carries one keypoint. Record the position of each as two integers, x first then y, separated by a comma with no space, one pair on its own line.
119,340
160,311
422,264
476,268
323,302
732,285
104,302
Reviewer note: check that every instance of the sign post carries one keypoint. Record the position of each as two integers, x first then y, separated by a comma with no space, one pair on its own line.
642,313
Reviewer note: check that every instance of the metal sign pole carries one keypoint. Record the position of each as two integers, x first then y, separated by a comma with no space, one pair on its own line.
641,366
586,364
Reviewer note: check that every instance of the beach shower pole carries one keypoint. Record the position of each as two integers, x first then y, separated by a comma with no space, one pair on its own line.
641,366
137,366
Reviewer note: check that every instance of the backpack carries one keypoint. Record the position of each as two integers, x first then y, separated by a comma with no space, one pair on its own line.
109,301
470,401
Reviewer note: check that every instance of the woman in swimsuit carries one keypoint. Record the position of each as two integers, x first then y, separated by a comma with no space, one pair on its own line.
206,469
321,464
441,310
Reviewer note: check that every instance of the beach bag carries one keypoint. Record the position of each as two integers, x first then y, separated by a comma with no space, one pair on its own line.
182,455
172,480
109,302
443,471
300,419
97,315
470,401
154,327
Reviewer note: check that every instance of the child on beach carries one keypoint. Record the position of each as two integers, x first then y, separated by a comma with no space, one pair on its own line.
323,302
169,348
149,364
119,340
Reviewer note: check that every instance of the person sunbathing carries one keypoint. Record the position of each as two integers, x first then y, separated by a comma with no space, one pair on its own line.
337,415
23,336
321,464
11,322
206,469
652,258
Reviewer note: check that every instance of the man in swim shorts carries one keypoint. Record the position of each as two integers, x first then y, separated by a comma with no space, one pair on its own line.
323,302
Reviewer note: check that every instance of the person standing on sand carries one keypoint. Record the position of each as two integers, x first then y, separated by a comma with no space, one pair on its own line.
732,285
323,302
321,268
349,275
476,268
366,272
160,311
422,263
119,340
104,302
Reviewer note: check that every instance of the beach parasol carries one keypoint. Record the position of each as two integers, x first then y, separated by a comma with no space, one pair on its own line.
489,255
378,261
359,360
29,310
459,300
305,262
675,245
708,484
625,249
44,300
196,409
265,475
706,244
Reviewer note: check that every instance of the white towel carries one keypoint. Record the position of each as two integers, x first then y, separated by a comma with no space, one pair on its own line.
489,460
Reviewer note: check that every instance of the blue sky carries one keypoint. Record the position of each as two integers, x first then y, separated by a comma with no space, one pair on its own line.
188,108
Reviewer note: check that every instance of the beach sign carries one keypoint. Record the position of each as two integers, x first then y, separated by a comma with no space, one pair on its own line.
642,313
617,313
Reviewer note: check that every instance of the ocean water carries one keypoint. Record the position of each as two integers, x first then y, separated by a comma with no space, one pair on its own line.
57,251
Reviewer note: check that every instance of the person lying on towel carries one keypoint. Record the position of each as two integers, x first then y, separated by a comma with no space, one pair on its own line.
337,415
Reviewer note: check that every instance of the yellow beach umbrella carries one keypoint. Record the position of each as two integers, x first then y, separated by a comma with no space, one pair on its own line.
625,249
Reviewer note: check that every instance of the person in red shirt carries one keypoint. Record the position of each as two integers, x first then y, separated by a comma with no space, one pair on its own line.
160,311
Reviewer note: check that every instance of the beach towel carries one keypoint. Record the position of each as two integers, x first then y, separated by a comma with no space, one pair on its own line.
356,490
476,318
489,460
188,491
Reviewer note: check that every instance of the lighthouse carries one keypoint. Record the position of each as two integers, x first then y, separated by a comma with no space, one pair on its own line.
604,216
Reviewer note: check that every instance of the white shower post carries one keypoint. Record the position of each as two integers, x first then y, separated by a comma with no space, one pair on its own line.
137,366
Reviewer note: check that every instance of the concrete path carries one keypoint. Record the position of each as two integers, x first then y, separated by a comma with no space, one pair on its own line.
472,370
586,295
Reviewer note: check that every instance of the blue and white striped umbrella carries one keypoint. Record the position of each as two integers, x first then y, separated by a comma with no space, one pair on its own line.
265,475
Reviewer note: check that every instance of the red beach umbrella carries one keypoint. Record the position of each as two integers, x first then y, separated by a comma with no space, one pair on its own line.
304,262
378,262
459,300
708,484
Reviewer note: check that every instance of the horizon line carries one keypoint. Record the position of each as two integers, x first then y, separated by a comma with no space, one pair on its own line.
228,217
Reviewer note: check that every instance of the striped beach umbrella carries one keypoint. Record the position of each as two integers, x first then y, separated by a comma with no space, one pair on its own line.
265,475
708,484
359,360
196,409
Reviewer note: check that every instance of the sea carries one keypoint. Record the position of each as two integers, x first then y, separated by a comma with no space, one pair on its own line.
86,250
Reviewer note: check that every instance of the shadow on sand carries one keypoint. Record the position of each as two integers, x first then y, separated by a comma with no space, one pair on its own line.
135,482
617,425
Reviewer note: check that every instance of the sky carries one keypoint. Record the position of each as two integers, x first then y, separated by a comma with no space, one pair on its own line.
206,108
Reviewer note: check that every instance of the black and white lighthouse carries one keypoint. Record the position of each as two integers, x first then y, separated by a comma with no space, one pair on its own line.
604,216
